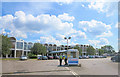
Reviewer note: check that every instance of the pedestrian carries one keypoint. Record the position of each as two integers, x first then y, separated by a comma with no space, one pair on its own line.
65,60
60,59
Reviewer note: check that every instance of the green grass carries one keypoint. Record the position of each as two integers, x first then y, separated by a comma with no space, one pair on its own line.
10,59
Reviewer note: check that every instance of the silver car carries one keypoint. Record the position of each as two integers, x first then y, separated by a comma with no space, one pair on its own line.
23,58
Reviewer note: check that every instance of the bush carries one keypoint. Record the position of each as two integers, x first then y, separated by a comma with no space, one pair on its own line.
32,56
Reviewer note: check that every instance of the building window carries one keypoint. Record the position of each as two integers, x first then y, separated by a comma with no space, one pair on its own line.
25,46
19,45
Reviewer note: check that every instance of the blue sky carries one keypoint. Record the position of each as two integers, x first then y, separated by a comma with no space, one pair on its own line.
90,23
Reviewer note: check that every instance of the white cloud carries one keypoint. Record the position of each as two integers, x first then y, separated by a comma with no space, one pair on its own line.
41,22
100,42
50,27
117,25
95,28
66,17
60,36
17,33
97,6
61,2
78,35
51,40
103,6
29,23
83,5
106,34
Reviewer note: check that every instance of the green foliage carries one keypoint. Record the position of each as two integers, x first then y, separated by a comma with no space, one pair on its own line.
38,49
79,49
108,49
101,52
32,56
91,50
6,45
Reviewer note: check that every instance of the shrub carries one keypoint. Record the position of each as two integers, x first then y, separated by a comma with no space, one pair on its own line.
32,56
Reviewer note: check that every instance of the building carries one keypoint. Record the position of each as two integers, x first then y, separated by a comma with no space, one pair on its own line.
54,47
19,47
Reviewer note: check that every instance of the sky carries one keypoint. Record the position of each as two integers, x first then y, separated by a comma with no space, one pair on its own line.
89,23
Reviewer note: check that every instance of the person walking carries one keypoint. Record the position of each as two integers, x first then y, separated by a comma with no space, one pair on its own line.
60,59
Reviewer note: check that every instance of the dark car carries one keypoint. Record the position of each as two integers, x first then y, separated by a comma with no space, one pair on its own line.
97,56
23,58
56,57
90,56
44,58
104,57
80,57
116,58
50,57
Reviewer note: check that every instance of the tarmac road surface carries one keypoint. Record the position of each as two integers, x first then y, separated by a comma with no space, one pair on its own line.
99,66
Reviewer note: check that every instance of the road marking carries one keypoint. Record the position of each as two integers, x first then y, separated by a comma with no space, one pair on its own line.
71,71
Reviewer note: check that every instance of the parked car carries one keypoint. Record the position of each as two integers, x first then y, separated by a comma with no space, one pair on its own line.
91,56
96,56
85,57
50,57
39,57
116,58
80,57
100,56
104,57
44,58
23,58
56,57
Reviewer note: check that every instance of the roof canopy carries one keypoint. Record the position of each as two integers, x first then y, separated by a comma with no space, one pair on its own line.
64,51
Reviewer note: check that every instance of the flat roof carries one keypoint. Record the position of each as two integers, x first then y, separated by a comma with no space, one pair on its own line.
62,51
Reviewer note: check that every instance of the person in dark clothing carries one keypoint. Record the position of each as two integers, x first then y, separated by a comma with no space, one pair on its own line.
60,59
66,60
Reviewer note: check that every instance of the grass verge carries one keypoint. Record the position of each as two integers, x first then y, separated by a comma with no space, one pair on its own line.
10,59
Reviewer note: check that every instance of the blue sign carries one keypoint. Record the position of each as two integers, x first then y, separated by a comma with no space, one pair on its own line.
73,61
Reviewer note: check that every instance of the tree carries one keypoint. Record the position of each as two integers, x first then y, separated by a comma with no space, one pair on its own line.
101,52
90,50
6,45
79,49
38,49
108,49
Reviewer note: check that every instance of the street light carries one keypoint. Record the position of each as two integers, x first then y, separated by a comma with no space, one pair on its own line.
67,40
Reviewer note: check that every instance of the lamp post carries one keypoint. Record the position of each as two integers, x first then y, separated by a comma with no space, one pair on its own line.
67,40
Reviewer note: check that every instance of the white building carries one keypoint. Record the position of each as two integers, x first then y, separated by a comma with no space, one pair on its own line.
19,47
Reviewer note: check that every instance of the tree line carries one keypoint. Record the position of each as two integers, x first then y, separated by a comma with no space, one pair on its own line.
92,51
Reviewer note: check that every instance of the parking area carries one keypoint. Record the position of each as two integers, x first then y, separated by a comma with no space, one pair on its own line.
98,66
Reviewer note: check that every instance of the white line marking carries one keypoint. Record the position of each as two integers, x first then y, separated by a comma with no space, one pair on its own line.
71,71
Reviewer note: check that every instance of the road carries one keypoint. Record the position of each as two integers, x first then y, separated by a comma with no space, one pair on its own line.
102,66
